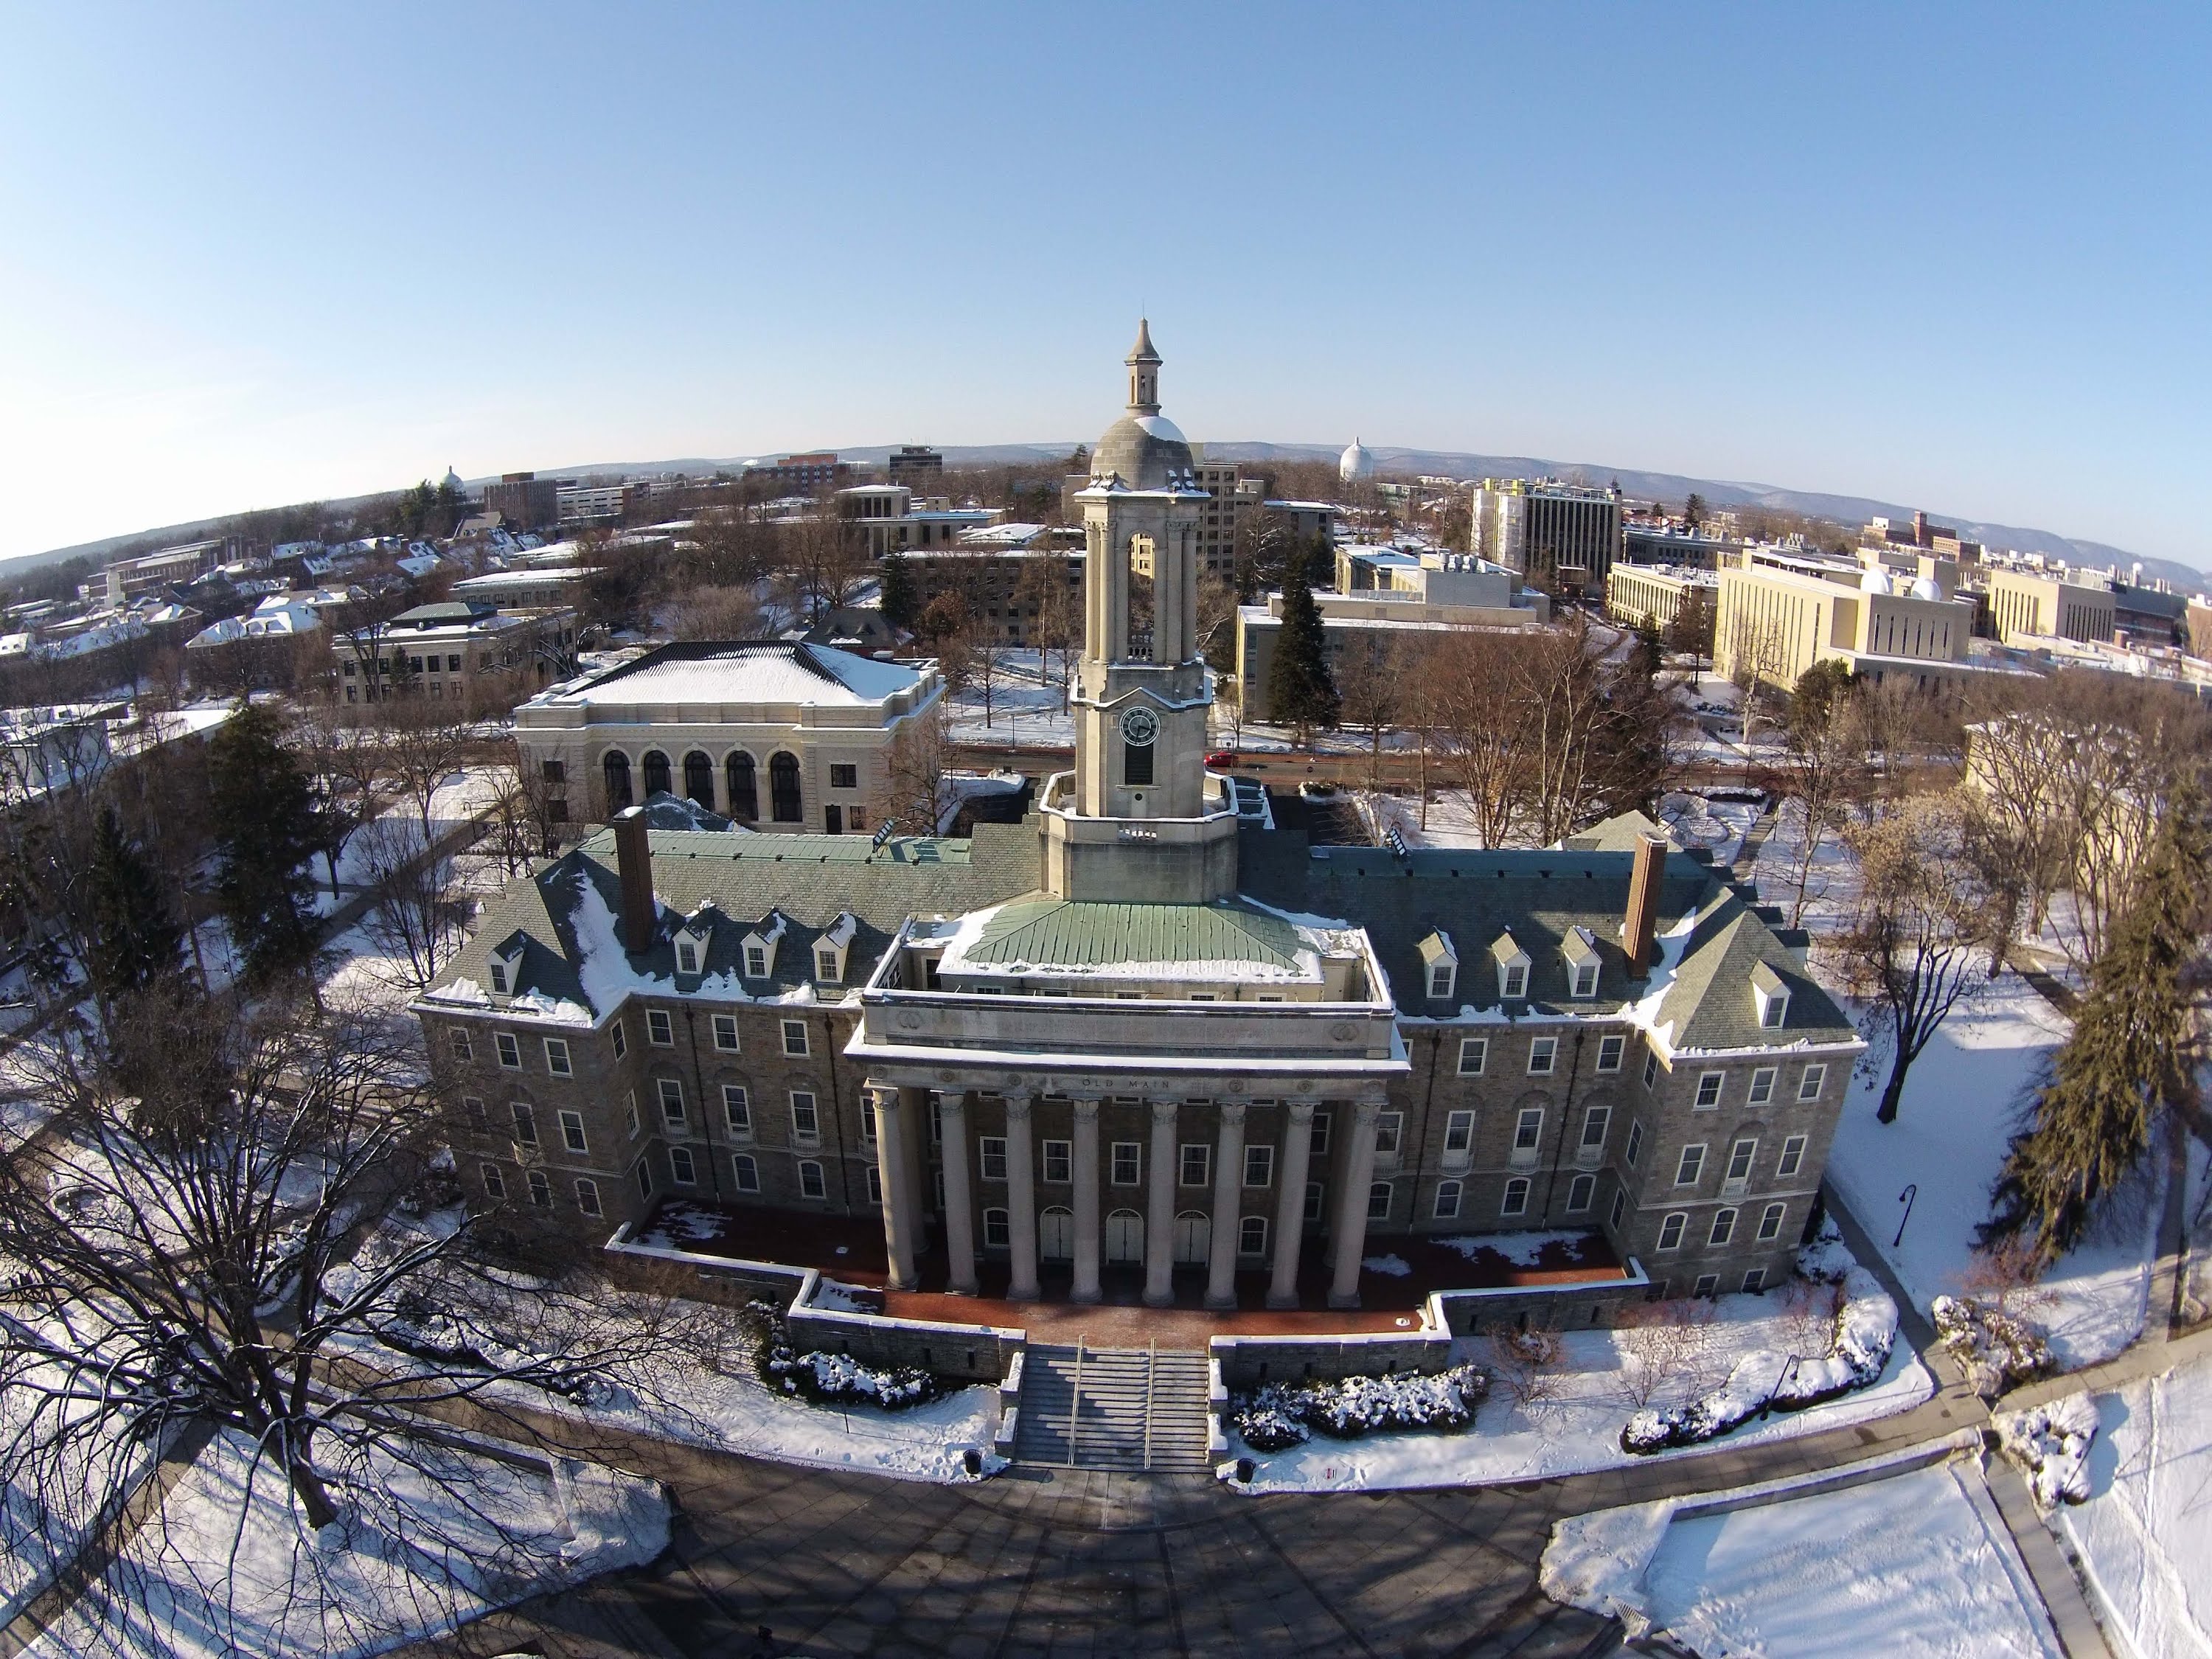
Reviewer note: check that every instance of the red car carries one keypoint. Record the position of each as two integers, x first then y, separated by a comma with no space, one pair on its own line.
1221,758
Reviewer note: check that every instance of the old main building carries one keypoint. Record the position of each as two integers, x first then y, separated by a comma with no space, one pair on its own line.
1137,1033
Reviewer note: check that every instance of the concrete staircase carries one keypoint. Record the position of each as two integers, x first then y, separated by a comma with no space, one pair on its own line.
1113,1408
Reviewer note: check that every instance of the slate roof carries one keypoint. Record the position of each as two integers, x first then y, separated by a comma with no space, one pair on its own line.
1054,933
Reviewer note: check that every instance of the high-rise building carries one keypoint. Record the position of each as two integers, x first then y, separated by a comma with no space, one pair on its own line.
523,500
1557,536
916,465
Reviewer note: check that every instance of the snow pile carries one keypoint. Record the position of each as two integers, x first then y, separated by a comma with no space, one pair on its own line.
1996,1349
1278,1415
1765,1379
1597,1562
834,1379
2050,1443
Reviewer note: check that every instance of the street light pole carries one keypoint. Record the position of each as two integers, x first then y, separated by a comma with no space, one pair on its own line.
1911,1191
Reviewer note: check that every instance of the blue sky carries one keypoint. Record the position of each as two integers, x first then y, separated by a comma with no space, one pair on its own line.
1954,257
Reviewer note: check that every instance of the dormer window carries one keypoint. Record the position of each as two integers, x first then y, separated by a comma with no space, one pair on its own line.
829,950
506,971
687,956
1580,950
1440,965
757,949
1512,967
755,962
1770,995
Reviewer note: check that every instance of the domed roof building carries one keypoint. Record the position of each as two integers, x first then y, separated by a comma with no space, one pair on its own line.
1142,450
1356,463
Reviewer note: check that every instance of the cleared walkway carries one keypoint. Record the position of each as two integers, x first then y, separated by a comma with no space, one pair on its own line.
1142,1410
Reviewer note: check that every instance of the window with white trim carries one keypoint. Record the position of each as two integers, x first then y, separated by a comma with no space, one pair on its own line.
1755,1281
991,1157
660,1027
737,1109
1635,1144
1389,1134
875,1182
1595,1122
571,1132
1670,1231
1472,1052
1580,1191
805,1120
746,1168
479,1120
459,1041
556,1057
1126,1161
621,1039
1808,1086
1609,1051
1194,1164
687,956
794,1038
1770,1223
495,1184
1378,1201
1543,1054
1724,1228
1651,1069
1585,980
725,1033
629,1106
541,1190
1059,1162
1447,1196
1708,1285
1691,1165
1312,1211
1516,1201
998,1230
681,1166
1529,1129
510,1051
755,962
643,1170
1252,1236
1709,1091
587,1197
1620,1207
525,1124
811,1183
1762,1086
1318,1139
1739,1158
1792,1159
671,1101
1459,1133
1259,1166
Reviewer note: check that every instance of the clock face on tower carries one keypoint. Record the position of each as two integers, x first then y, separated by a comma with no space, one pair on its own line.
1139,725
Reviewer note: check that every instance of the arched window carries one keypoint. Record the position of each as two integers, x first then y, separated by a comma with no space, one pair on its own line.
656,773
1056,1232
699,779
744,797
617,770
784,804
1125,1236
1193,1239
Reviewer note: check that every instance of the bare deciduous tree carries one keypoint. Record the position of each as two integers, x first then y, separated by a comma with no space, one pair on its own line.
1667,1349
1370,687
921,762
416,918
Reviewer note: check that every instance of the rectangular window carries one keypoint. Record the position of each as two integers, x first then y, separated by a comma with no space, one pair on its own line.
794,1038
1059,1162
1651,1069
1378,1201
1127,1159
1517,980
1770,1223
1595,1122
1195,1163
687,956
805,1122
826,966
1312,1211
844,777
495,1184
725,1033
1319,1142
1635,1143
525,1124
1529,1129
671,1102
1740,1158
875,1177
737,1109
681,1167
1440,978
1609,1051
1762,1086
644,1179
1473,1051
1709,1089
1724,1228
755,962
1706,1285
660,1027
510,1051
997,1232
462,1051
1448,1194
1542,1051
1580,1191
1136,764
811,1184
748,1173
1670,1231
555,771
1793,1158
993,1152
1755,1281
1459,1133
541,1190
629,1106
1691,1165
556,1057
1585,980
620,1038
1259,1165
1389,1132
1516,1201
1808,1086
587,1197
1620,1207
571,1132
1252,1236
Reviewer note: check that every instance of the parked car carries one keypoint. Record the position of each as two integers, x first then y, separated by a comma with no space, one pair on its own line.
1221,758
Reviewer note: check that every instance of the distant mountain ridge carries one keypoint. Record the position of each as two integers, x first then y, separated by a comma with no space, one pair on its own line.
1845,509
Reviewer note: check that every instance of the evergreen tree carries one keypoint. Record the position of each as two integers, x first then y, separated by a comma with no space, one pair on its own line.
2127,1060
1301,693
267,833
1646,656
898,595
134,942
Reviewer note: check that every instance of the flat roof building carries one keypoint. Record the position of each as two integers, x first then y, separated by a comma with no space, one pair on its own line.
2025,605
1781,613
1554,535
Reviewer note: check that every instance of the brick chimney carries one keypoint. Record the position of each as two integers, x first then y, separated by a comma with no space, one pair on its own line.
1639,928
634,864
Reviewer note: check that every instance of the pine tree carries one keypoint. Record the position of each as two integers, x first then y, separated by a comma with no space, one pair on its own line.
135,944
2127,1060
267,833
1301,693
897,594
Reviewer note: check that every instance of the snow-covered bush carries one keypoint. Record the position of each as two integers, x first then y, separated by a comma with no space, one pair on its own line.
2050,1443
832,1379
1865,1332
1998,1350
1276,1416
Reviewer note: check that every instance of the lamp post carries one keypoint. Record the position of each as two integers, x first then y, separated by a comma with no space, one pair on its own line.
1911,1191
1789,1365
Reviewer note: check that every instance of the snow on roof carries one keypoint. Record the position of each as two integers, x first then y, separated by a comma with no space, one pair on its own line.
750,671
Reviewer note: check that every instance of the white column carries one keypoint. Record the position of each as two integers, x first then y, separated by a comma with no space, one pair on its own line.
1351,1241
959,1210
1021,1200
1159,1210
1292,1162
1086,1202
1228,1184
890,1164
914,1119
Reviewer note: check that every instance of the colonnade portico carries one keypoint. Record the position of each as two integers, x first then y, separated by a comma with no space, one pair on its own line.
902,1150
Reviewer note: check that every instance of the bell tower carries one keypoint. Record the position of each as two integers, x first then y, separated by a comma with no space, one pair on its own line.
1139,820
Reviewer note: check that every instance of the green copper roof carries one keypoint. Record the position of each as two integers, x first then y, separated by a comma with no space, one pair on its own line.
1058,934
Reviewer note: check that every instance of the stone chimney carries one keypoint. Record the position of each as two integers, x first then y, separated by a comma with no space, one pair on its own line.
1639,929
634,864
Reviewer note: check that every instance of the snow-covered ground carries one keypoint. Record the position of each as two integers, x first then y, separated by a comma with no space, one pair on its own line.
229,1568
1915,1564
1578,1427
1958,1111
44,1519
2145,1535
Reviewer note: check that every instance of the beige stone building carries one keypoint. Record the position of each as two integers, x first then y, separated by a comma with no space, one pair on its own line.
2028,605
1781,612
464,654
1638,594
770,732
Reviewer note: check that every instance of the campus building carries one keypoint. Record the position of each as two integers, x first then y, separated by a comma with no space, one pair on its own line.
1781,612
471,656
1137,1046
1557,536
2028,605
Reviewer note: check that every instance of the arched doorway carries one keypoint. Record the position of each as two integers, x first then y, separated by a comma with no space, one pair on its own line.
656,774
1193,1238
699,779
1125,1236
1056,1234
616,768
784,804
745,793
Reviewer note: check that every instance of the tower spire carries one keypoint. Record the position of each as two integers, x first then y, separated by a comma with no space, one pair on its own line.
1143,372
